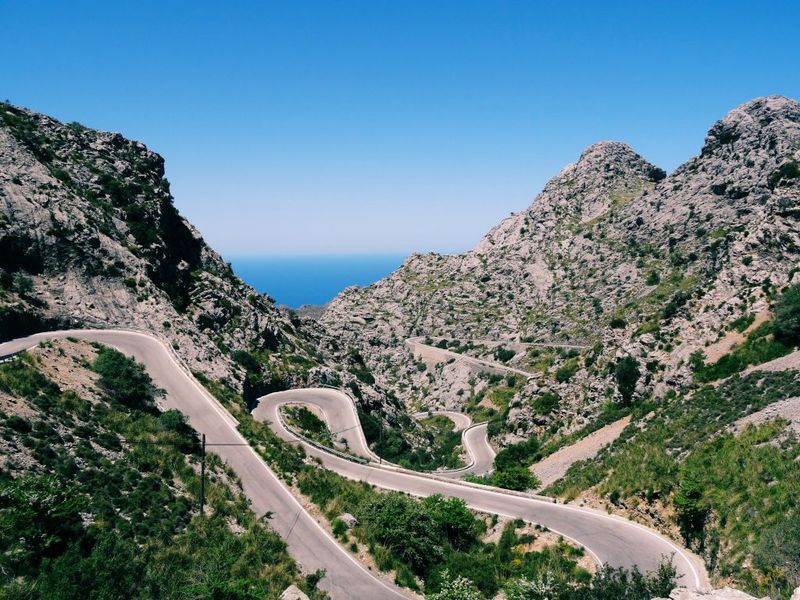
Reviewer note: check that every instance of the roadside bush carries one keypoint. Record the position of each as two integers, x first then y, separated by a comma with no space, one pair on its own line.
457,522
514,455
402,524
514,478
124,380
504,354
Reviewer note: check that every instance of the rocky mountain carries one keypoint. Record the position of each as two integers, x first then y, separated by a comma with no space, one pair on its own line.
615,258
89,236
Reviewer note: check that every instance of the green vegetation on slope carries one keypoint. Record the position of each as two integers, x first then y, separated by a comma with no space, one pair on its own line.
443,444
98,499
759,347
727,492
309,424
770,340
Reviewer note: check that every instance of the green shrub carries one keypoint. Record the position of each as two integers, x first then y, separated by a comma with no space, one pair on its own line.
546,403
653,278
402,524
515,455
778,552
515,478
504,354
566,371
760,346
785,172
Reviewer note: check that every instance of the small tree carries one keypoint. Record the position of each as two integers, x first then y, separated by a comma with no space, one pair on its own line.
626,374
515,478
455,519
692,510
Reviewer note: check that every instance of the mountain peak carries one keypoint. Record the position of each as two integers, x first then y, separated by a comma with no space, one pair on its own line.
771,122
612,159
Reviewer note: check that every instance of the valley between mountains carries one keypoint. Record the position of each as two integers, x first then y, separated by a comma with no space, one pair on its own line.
625,347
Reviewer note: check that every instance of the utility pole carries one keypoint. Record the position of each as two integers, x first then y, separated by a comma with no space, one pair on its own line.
202,473
380,435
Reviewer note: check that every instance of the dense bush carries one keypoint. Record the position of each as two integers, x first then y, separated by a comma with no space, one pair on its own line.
546,403
787,317
406,528
566,371
309,424
124,380
514,478
778,552
515,455
617,323
504,354
438,539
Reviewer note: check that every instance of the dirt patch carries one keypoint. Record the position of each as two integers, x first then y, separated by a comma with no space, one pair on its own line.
732,339
555,466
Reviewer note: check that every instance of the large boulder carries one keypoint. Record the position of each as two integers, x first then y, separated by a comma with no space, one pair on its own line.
293,593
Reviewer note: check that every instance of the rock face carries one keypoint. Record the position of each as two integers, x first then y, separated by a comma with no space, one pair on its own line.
89,236
615,257
722,594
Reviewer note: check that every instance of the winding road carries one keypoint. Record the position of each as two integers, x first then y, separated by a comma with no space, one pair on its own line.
607,538
474,438
436,354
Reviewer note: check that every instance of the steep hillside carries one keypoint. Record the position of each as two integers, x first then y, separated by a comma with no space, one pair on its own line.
99,491
613,257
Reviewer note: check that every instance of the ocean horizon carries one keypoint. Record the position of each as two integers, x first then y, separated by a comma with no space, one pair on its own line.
295,280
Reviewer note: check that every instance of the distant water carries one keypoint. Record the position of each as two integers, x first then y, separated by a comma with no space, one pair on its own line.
297,280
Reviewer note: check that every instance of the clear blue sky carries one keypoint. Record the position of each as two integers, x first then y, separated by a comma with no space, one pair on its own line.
388,126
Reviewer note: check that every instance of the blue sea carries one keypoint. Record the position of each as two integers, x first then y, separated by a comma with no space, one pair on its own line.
297,280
